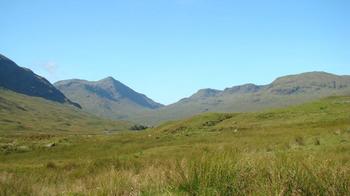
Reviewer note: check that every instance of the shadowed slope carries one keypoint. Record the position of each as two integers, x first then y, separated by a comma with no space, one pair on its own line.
24,81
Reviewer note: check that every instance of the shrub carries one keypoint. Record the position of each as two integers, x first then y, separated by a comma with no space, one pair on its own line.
51,165
138,127
300,140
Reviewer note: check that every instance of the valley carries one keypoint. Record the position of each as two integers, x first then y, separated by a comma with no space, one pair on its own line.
290,137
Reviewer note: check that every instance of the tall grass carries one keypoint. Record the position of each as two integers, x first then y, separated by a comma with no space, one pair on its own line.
224,173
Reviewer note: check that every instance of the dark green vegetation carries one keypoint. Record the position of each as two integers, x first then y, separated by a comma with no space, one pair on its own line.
285,91
23,80
300,150
21,114
107,98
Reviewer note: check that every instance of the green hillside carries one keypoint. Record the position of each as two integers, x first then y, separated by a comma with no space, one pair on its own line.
299,150
21,114
329,112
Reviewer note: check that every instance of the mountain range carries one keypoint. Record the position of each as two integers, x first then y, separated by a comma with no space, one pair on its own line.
112,99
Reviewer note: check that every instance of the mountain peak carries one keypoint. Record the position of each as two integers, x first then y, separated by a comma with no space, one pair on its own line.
109,78
107,97
308,82
245,88
315,75
204,93
110,82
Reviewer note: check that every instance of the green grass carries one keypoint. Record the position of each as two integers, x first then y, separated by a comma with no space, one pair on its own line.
300,150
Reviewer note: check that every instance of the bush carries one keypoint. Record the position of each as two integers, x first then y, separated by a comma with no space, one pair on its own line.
51,165
138,127
300,140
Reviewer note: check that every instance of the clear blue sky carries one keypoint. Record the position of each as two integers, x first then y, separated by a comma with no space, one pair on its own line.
168,49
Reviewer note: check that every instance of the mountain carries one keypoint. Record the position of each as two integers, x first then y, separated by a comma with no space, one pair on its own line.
20,113
23,80
284,91
107,97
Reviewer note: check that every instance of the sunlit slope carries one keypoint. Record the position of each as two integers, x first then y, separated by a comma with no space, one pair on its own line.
20,113
329,112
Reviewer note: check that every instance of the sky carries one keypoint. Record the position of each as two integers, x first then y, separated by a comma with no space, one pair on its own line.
169,49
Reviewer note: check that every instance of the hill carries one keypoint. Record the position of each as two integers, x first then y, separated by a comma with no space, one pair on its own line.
284,91
23,80
22,114
316,115
107,97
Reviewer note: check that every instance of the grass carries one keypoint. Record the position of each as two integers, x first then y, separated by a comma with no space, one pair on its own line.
300,150
227,174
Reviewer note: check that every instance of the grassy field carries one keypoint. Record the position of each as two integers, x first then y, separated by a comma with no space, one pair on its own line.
300,150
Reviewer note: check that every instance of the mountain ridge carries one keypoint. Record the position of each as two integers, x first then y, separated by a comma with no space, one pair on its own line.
252,88
281,92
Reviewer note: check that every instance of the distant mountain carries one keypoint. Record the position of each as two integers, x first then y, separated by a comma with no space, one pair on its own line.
284,91
107,97
23,80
